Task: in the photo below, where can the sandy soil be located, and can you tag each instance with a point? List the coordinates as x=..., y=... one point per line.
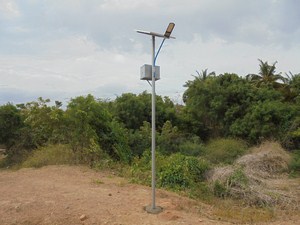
x=63, y=195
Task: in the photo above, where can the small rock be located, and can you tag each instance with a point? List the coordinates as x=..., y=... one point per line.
x=109, y=194
x=83, y=217
x=18, y=208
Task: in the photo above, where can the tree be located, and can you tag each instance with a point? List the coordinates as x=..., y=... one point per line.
x=212, y=105
x=43, y=123
x=264, y=120
x=267, y=76
x=291, y=88
x=140, y=140
x=228, y=105
x=132, y=110
x=10, y=124
x=204, y=74
x=169, y=139
x=90, y=123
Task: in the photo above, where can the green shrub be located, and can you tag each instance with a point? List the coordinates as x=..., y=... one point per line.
x=294, y=165
x=236, y=182
x=140, y=170
x=173, y=174
x=179, y=172
x=3, y=161
x=270, y=119
x=191, y=147
x=201, y=191
x=50, y=155
x=225, y=150
x=10, y=124
x=233, y=186
x=176, y=172
x=238, y=179
x=140, y=173
x=220, y=189
x=14, y=157
x=169, y=138
x=140, y=140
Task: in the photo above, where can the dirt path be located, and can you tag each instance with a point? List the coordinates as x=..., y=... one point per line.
x=60, y=195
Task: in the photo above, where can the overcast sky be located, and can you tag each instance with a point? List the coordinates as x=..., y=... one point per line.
x=60, y=49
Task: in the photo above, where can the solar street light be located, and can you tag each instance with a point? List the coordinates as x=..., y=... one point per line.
x=152, y=76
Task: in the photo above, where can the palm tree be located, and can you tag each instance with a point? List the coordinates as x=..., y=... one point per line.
x=200, y=78
x=204, y=75
x=267, y=76
x=291, y=86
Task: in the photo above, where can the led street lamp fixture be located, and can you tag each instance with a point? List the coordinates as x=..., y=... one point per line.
x=167, y=34
x=169, y=30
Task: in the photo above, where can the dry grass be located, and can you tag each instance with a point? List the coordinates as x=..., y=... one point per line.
x=2, y=156
x=249, y=178
x=269, y=160
x=2, y=152
x=234, y=212
x=220, y=173
x=50, y=155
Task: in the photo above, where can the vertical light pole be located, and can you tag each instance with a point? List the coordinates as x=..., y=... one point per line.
x=146, y=75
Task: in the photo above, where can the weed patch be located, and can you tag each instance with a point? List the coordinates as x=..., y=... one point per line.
x=50, y=155
x=225, y=150
x=235, y=212
x=97, y=181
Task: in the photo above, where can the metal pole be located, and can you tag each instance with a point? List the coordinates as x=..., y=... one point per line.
x=153, y=208
x=153, y=123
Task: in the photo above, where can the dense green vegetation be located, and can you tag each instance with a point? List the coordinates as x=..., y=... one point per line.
x=222, y=116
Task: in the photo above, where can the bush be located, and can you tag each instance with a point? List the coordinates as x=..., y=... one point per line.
x=140, y=140
x=238, y=179
x=140, y=171
x=179, y=172
x=265, y=120
x=225, y=150
x=219, y=189
x=201, y=191
x=10, y=123
x=234, y=185
x=169, y=138
x=192, y=147
x=231, y=183
x=176, y=172
x=50, y=155
x=89, y=119
x=294, y=165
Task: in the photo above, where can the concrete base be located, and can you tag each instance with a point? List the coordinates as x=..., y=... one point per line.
x=150, y=210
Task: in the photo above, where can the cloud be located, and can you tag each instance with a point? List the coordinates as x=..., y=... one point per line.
x=73, y=65
x=8, y=9
x=110, y=23
x=74, y=47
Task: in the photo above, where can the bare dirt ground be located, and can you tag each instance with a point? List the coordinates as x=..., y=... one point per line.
x=63, y=195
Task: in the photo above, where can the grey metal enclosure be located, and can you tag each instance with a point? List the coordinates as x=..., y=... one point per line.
x=146, y=72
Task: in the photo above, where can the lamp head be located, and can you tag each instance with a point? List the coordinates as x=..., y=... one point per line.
x=169, y=30
x=167, y=34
